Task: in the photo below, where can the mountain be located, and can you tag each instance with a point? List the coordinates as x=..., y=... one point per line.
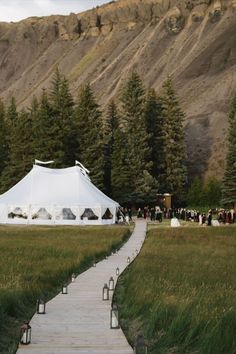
x=192, y=40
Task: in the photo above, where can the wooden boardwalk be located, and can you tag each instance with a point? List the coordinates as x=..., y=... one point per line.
x=79, y=322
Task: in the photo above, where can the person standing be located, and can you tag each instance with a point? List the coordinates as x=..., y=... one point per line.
x=130, y=214
x=152, y=213
x=209, y=218
x=139, y=214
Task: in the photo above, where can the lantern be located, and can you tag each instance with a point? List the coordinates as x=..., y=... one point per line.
x=94, y=264
x=114, y=318
x=105, y=293
x=25, y=333
x=64, y=289
x=117, y=271
x=73, y=277
x=111, y=284
x=128, y=260
x=40, y=307
x=140, y=345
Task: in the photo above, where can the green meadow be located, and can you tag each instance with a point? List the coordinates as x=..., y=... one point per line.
x=35, y=261
x=180, y=292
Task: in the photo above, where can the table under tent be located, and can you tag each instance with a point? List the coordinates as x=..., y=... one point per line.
x=65, y=196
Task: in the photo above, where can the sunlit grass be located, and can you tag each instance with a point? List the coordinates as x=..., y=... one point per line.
x=34, y=261
x=181, y=291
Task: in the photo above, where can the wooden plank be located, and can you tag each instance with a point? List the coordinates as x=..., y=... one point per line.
x=79, y=322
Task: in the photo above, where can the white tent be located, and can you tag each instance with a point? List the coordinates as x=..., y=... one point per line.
x=56, y=196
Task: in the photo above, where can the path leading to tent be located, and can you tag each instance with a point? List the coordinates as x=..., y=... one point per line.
x=79, y=322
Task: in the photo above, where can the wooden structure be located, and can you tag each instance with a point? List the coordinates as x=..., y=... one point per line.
x=79, y=322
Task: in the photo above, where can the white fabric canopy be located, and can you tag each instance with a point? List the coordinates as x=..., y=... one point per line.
x=45, y=190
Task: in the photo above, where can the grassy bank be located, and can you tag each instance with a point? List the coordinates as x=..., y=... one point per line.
x=180, y=292
x=34, y=261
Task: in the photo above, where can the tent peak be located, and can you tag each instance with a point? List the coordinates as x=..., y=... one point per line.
x=38, y=162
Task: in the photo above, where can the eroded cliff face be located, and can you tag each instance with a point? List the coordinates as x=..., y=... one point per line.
x=193, y=40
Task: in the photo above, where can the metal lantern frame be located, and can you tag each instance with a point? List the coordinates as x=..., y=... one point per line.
x=25, y=334
x=114, y=317
x=73, y=277
x=128, y=260
x=105, y=293
x=117, y=271
x=40, y=307
x=64, y=289
x=111, y=284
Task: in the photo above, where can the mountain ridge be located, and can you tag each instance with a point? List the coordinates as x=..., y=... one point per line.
x=193, y=41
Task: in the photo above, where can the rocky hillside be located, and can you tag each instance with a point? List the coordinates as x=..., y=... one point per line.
x=193, y=40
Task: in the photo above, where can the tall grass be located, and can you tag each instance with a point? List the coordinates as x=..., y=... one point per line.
x=181, y=291
x=34, y=261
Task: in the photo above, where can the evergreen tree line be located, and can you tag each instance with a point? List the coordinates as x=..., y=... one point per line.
x=206, y=193
x=229, y=180
x=214, y=192
x=134, y=150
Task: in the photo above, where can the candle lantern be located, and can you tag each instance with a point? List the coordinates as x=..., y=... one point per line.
x=40, y=307
x=128, y=260
x=111, y=284
x=114, y=318
x=25, y=333
x=105, y=293
x=64, y=289
x=140, y=345
x=73, y=277
x=117, y=271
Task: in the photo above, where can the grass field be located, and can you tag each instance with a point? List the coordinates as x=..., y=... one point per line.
x=35, y=261
x=180, y=292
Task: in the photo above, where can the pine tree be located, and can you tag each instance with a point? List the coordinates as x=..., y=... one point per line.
x=23, y=150
x=34, y=117
x=21, y=153
x=173, y=178
x=3, y=138
x=212, y=191
x=12, y=114
x=146, y=189
x=133, y=118
x=11, y=119
x=229, y=180
x=63, y=116
x=195, y=193
x=154, y=123
x=109, y=127
x=48, y=143
x=91, y=145
x=121, y=185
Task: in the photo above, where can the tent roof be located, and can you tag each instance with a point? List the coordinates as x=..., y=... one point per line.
x=62, y=187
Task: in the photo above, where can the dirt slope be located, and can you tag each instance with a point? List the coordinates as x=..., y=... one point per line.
x=193, y=40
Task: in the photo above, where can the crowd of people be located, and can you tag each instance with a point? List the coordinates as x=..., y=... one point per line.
x=155, y=213
x=223, y=216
